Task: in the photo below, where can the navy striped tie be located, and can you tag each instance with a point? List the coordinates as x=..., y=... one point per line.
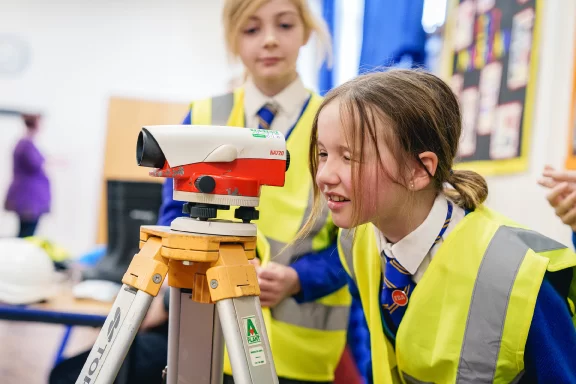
x=398, y=284
x=266, y=115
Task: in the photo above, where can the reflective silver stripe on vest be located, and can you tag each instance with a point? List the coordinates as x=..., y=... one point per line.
x=490, y=298
x=410, y=380
x=312, y=315
x=536, y=241
x=221, y=108
x=346, y=241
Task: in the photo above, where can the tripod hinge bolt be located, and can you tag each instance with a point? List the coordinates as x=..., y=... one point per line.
x=213, y=284
x=157, y=278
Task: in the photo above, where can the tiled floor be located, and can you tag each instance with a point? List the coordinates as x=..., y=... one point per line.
x=28, y=350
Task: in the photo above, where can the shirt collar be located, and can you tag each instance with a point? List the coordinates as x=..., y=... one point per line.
x=288, y=101
x=412, y=249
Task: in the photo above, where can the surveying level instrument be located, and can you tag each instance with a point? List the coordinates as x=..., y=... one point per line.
x=214, y=292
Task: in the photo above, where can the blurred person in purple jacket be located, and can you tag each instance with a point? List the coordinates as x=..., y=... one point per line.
x=29, y=193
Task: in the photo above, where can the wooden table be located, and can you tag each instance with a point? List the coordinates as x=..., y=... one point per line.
x=63, y=309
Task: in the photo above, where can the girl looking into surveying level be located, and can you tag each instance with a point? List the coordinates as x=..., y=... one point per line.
x=451, y=290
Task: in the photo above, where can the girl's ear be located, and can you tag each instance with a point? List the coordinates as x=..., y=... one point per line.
x=421, y=174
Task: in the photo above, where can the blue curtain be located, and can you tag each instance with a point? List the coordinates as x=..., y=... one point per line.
x=326, y=78
x=392, y=35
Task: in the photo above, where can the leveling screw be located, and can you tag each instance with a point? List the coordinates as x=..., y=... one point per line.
x=213, y=284
x=157, y=278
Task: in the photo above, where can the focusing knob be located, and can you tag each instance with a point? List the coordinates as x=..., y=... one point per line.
x=287, y=160
x=205, y=184
x=246, y=214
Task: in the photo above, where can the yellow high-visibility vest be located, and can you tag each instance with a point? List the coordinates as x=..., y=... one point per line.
x=468, y=318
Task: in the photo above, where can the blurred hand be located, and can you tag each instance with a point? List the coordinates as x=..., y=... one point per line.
x=562, y=195
x=156, y=315
x=276, y=282
x=552, y=177
x=255, y=262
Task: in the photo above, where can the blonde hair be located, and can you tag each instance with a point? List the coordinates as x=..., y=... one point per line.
x=237, y=12
x=421, y=114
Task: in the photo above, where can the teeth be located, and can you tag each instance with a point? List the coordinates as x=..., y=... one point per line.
x=337, y=198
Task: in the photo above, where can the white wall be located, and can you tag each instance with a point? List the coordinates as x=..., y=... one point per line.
x=83, y=52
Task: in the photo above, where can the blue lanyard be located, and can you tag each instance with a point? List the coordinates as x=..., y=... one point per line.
x=299, y=117
x=391, y=336
x=446, y=223
x=297, y=121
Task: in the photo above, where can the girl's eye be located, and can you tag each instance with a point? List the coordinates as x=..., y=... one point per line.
x=347, y=158
x=322, y=154
x=251, y=31
x=286, y=26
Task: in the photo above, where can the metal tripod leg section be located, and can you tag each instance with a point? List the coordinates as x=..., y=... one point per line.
x=247, y=341
x=116, y=337
x=142, y=282
x=195, y=341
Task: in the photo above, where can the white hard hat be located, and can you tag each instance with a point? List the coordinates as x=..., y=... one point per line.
x=27, y=274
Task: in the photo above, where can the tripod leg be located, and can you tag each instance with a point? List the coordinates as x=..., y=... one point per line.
x=116, y=336
x=142, y=282
x=247, y=340
x=173, y=335
x=217, y=350
x=195, y=341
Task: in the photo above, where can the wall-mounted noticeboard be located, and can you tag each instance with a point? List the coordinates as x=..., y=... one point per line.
x=490, y=60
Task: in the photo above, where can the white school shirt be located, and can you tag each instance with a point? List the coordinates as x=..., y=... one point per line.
x=289, y=102
x=413, y=251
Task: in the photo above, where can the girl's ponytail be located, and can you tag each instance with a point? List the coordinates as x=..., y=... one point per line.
x=470, y=189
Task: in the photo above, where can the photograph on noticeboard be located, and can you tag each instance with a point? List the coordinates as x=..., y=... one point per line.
x=490, y=79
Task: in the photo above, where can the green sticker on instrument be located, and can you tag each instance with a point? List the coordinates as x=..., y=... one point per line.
x=266, y=134
x=258, y=133
x=251, y=331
